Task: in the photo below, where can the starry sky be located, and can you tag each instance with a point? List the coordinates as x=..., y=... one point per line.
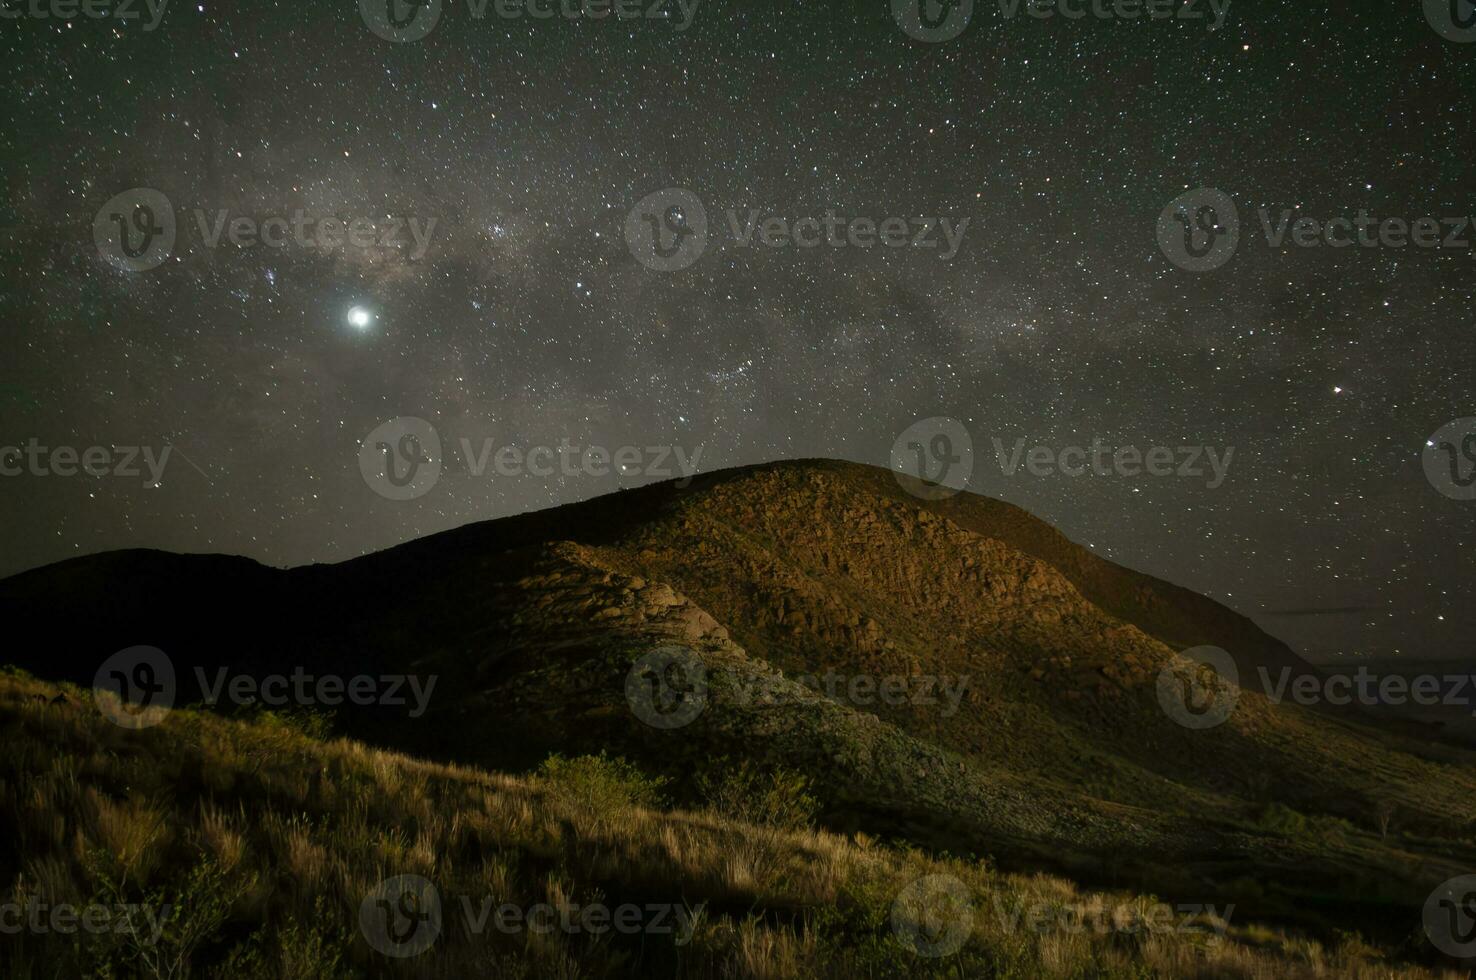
x=527, y=320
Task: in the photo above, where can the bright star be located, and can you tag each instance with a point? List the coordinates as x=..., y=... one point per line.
x=360, y=318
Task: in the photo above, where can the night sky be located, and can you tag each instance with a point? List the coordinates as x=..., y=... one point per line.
x=527, y=319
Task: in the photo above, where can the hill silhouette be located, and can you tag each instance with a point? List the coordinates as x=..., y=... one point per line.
x=954, y=674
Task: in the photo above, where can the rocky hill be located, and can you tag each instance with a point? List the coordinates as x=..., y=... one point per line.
x=952, y=674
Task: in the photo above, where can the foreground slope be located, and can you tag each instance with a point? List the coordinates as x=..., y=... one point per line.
x=1028, y=726
x=252, y=850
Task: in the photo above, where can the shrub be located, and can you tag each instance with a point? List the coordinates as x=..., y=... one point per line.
x=778, y=798
x=1279, y=819
x=184, y=917
x=298, y=951
x=597, y=785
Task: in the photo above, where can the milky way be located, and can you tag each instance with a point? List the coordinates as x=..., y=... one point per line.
x=490, y=288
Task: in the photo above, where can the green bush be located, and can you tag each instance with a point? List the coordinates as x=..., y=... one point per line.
x=1279, y=819
x=315, y=950
x=778, y=798
x=596, y=785
x=186, y=916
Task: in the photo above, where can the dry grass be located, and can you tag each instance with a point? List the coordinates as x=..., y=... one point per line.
x=296, y=832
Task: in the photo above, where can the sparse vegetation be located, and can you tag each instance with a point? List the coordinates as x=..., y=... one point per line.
x=265, y=841
x=1043, y=745
x=777, y=798
x=594, y=787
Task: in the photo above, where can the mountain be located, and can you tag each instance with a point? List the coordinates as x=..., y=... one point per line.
x=951, y=674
